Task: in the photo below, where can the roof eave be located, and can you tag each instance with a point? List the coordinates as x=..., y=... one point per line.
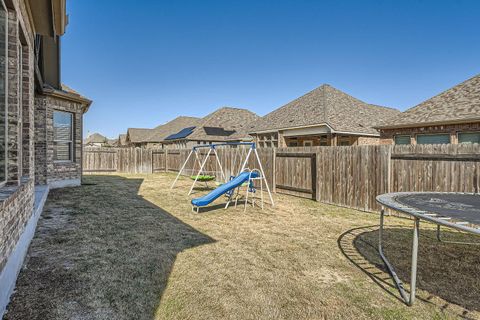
x=427, y=124
x=67, y=96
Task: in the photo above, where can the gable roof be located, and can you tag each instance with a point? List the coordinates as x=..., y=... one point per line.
x=138, y=135
x=161, y=132
x=96, y=138
x=225, y=124
x=330, y=106
x=459, y=104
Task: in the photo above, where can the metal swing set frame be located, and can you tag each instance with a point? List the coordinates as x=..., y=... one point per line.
x=213, y=148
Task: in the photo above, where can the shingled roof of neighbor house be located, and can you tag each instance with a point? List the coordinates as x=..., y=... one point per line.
x=138, y=135
x=96, y=138
x=161, y=132
x=112, y=142
x=327, y=105
x=459, y=104
x=225, y=124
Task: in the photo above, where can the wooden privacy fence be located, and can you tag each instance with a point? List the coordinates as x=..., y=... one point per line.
x=345, y=176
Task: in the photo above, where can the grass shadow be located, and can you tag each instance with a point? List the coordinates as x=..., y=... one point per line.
x=447, y=271
x=101, y=251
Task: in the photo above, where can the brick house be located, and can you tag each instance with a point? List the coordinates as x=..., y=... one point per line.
x=40, y=125
x=323, y=117
x=225, y=124
x=153, y=138
x=452, y=116
x=137, y=137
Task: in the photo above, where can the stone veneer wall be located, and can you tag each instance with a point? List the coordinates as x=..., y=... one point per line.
x=47, y=171
x=387, y=135
x=16, y=208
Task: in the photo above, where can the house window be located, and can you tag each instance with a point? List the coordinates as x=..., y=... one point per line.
x=403, y=139
x=308, y=143
x=62, y=136
x=469, y=137
x=3, y=96
x=323, y=141
x=443, y=138
x=293, y=144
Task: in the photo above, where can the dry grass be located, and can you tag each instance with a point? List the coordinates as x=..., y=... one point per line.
x=129, y=248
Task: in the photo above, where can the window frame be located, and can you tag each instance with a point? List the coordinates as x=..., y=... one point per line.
x=402, y=135
x=433, y=134
x=305, y=142
x=460, y=132
x=71, y=141
x=344, y=141
x=4, y=7
x=293, y=143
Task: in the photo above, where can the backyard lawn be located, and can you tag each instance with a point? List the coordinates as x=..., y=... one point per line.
x=128, y=247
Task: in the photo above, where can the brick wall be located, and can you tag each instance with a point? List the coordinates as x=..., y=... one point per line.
x=16, y=208
x=47, y=170
x=17, y=195
x=361, y=141
x=387, y=135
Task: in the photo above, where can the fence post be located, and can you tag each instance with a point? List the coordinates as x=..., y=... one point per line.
x=166, y=160
x=274, y=166
x=389, y=169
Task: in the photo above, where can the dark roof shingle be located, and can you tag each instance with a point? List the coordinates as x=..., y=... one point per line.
x=327, y=105
x=138, y=135
x=161, y=132
x=458, y=104
x=225, y=124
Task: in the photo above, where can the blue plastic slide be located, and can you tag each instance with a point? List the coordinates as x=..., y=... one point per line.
x=224, y=188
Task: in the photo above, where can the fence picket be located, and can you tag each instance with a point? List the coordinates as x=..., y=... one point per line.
x=345, y=176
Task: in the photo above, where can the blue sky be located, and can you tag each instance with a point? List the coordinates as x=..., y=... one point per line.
x=146, y=62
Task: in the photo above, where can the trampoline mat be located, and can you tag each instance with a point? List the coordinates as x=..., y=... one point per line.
x=464, y=207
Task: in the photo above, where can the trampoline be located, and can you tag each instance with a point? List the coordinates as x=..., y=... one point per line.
x=460, y=211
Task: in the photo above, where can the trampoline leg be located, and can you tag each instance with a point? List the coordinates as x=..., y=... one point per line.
x=439, y=238
x=413, y=277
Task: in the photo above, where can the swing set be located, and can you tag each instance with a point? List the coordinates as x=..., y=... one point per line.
x=245, y=177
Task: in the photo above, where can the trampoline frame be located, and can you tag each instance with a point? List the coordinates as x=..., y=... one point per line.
x=388, y=200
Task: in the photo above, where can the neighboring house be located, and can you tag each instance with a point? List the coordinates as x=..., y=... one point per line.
x=137, y=137
x=453, y=116
x=112, y=143
x=323, y=117
x=40, y=125
x=160, y=133
x=153, y=138
x=96, y=140
x=223, y=125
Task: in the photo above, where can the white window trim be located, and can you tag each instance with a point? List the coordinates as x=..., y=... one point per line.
x=66, y=141
x=307, y=141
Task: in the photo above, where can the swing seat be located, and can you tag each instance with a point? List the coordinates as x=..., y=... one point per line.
x=203, y=178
